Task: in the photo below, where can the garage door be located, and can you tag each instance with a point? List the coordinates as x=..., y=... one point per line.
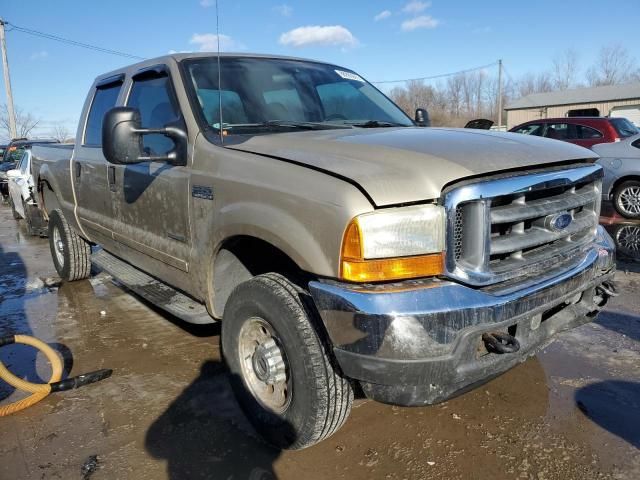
x=631, y=112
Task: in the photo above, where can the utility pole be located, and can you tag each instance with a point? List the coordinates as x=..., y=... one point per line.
x=7, y=84
x=499, y=93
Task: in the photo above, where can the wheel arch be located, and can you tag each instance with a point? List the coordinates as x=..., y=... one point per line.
x=241, y=257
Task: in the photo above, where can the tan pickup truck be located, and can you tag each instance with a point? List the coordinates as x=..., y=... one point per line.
x=343, y=246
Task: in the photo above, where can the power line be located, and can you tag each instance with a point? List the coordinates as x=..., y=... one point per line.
x=438, y=76
x=57, y=38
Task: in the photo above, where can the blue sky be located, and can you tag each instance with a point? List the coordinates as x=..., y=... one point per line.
x=380, y=39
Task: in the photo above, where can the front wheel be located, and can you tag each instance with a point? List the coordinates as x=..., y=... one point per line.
x=71, y=253
x=626, y=199
x=281, y=370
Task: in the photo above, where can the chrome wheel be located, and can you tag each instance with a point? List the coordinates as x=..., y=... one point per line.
x=628, y=240
x=264, y=365
x=629, y=200
x=58, y=247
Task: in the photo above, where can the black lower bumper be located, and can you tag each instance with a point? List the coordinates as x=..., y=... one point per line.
x=420, y=343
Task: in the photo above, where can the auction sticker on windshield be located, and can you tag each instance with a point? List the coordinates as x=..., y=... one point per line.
x=349, y=76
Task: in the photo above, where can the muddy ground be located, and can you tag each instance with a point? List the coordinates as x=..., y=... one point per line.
x=168, y=412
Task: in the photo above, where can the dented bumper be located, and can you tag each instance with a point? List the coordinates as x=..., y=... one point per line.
x=420, y=342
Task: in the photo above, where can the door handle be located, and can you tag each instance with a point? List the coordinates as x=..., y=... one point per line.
x=78, y=169
x=112, y=178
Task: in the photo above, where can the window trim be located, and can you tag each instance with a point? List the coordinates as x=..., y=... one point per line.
x=100, y=85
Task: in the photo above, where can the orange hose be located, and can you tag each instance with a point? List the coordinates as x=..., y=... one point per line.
x=38, y=390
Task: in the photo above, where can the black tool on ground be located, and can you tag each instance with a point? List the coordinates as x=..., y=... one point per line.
x=500, y=342
x=80, y=380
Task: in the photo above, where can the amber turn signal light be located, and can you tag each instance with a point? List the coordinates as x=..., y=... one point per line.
x=355, y=268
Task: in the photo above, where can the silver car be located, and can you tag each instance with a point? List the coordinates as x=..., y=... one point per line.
x=621, y=184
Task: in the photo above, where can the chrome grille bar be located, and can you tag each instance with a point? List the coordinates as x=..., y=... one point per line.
x=498, y=229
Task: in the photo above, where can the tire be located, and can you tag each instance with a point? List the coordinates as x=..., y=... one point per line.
x=15, y=214
x=626, y=199
x=318, y=398
x=71, y=254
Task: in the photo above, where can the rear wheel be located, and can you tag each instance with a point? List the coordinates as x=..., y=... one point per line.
x=626, y=199
x=71, y=253
x=281, y=370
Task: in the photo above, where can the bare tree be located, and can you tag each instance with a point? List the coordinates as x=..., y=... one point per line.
x=25, y=122
x=534, y=83
x=60, y=132
x=613, y=66
x=565, y=69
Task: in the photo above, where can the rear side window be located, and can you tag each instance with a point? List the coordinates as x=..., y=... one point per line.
x=104, y=99
x=587, y=133
x=532, y=129
x=153, y=97
x=624, y=127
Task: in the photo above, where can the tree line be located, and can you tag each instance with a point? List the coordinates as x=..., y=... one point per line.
x=466, y=96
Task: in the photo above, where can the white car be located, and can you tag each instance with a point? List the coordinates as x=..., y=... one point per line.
x=21, y=196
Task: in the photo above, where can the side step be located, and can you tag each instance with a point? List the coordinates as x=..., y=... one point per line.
x=159, y=294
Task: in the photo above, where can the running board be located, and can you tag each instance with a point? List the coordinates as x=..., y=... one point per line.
x=154, y=291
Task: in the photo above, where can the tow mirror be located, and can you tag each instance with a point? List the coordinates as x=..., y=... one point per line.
x=122, y=139
x=13, y=173
x=422, y=117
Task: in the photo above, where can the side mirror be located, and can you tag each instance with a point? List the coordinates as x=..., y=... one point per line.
x=122, y=138
x=422, y=117
x=13, y=173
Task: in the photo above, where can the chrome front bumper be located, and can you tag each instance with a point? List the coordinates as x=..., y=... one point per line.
x=419, y=342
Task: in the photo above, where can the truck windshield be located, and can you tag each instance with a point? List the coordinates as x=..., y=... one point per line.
x=266, y=94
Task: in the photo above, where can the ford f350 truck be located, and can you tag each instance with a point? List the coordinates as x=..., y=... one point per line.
x=342, y=245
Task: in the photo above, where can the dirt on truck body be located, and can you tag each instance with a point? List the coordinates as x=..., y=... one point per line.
x=342, y=246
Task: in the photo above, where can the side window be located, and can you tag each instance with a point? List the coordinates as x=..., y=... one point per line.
x=531, y=129
x=561, y=131
x=585, y=132
x=103, y=100
x=154, y=98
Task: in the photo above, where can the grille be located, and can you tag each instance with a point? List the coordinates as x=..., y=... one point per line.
x=505, y=228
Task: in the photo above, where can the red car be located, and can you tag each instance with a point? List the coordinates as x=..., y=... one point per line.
x=583, y=131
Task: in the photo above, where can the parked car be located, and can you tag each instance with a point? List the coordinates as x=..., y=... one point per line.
x=583, y=131
x=338, y=243
x=22, y=198
x=621, y=183
x=10, y=158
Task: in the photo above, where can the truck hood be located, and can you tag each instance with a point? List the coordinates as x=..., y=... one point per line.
x=407, y=164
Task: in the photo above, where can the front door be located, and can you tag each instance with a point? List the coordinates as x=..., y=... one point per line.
x=151, y=199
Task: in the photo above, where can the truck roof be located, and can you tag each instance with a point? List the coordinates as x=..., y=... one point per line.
x=178, y=57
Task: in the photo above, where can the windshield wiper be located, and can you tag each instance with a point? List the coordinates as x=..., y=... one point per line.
x=286, y=124
x=376, y=124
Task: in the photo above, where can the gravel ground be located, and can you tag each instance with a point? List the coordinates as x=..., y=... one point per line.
x=573, y=412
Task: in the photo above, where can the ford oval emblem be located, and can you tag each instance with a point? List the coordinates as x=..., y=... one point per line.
x=559, y=221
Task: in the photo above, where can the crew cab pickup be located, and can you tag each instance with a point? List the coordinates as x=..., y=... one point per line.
x=342, y=246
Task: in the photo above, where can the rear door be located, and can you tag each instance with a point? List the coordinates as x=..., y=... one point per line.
x=89, y=168
x=151, y=199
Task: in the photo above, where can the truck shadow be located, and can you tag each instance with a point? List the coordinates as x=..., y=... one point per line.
x=204, y=434
x=615, y=406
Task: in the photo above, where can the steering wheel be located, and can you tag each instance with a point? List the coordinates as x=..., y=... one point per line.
x=335, y=116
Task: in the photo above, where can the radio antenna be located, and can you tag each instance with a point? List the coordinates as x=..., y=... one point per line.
x=219, y=77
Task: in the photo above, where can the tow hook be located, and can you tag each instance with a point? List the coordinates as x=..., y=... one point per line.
x=608, y=288
x=500, y=342
x=604, y=291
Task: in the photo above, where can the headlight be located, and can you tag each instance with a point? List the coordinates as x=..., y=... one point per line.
x=394, y=244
